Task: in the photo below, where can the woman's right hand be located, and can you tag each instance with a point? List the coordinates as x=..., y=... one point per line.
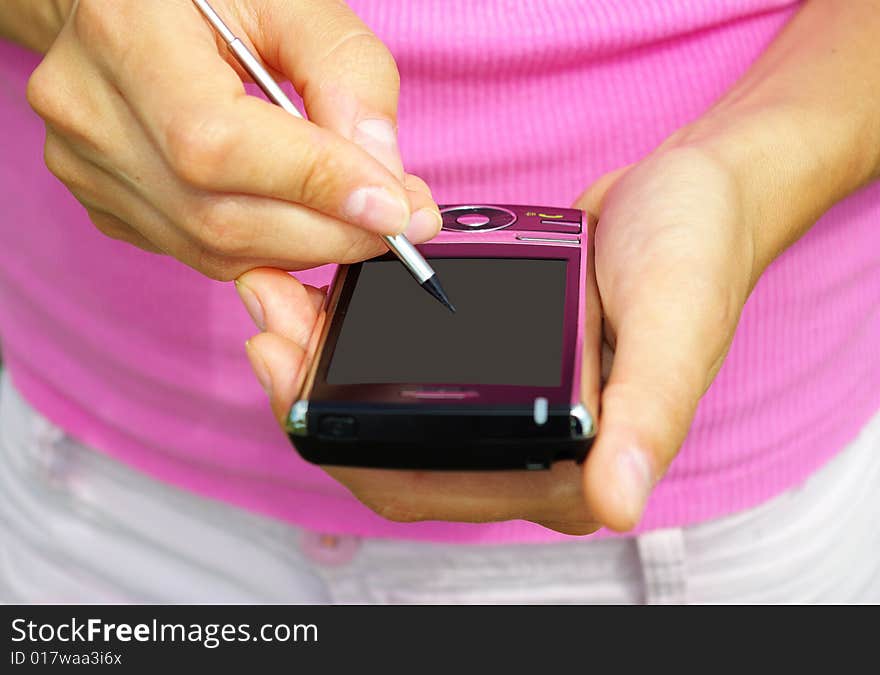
x=149, y=126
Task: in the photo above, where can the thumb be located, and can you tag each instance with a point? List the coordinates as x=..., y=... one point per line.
x=346, y=76
x=671, y=339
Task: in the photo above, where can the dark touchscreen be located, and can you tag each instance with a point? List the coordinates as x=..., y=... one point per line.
x=508, y=328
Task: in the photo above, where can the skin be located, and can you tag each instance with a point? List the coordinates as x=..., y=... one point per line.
x=683, y=236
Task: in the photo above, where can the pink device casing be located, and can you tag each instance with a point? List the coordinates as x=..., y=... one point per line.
x=449, y=427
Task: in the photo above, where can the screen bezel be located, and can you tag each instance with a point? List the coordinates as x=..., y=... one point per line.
x=472, y=394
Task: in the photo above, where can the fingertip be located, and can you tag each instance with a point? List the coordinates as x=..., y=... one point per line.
x=258, y=365
x=424, y=225
x=426, y=221
x=618, y=480
x=277, y=363
x=283, y=304
x=251, y=302
x=378, y=209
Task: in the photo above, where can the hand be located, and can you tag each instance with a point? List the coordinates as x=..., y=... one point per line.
x=673, y=259
x=675, y=262
x=149, y=126
x=684, y=235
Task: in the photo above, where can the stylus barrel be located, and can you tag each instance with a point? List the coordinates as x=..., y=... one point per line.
x=410, y=257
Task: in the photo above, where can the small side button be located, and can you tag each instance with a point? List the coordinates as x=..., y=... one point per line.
x=549, y=239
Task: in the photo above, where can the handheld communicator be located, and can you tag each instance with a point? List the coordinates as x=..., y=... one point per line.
x=395, y=380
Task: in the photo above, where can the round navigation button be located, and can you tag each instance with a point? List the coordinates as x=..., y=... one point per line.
x=474, y=218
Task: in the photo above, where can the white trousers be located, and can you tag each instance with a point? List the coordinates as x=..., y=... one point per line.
x=79, y=527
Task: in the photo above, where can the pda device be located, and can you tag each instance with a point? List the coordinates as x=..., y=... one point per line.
x=395, y=380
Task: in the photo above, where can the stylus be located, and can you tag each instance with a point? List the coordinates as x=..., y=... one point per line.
x=399, y=244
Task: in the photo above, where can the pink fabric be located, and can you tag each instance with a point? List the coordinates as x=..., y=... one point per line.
x=501, y=101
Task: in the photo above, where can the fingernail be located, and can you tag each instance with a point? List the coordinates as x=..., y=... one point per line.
x=259, y=368
x=252, y=304
x=376, y=209
x=424, y=225
x=634, y=480
x=379, y=138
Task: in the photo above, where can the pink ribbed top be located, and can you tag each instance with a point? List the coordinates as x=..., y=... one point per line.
x=524, y=102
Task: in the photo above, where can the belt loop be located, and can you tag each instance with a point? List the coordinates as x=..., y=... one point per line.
x=662, y=556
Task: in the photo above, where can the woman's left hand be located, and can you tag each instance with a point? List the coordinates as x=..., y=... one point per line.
x=675, y=262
